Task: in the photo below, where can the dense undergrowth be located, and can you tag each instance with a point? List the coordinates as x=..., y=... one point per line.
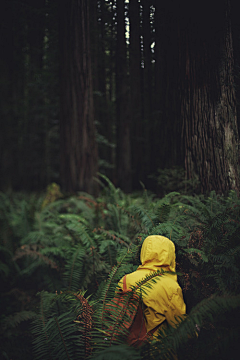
x=61, y=258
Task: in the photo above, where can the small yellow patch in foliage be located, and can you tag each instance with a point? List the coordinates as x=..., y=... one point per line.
x=53, y=193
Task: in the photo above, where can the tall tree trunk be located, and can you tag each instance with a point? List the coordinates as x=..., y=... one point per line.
x=35, y=122
x=112, y=55
x=166, y=127
x=101, y=98
x=79, y=159
x=236, y=50
x=147, y=84
x=12, y=41
x=122, y=105
x=112, y=88
x=135, y=92
x=155, y=125
x=208, y=100
x=7, y=61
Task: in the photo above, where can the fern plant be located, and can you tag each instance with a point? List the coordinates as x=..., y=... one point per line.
x=63, y=328
x=93, y=329
x=212, y=251
x=75, y=243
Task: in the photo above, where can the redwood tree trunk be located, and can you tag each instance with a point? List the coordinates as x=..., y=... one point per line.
x=148, y=83
x=166, y=126
x=122, y=105
x=35, y=123
x=99, y=46
x=79, y=157
x=135, y=92
x=208, y=102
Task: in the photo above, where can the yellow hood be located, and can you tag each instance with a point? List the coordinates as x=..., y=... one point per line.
x=158, y=252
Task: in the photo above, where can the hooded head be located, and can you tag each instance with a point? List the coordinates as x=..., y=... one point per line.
x=158, y=252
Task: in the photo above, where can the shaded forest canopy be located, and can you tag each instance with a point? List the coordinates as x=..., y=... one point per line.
x=125, y=88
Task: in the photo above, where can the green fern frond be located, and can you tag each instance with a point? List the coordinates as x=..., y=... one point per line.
x=114, y=236
x=118, y=352
x=33, y=251
x=13, y=320
x=74, y=218
x=62, y=330
x=74, y=267
x=207, y=310
x=142, y=217
x=113, y=194
x=82, y=233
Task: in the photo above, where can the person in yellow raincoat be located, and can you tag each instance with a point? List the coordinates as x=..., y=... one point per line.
x=164, y=301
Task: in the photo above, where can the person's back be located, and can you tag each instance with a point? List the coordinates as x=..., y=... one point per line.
x=164, y=301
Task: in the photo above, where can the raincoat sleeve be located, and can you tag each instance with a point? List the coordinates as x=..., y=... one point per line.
x=176, y=309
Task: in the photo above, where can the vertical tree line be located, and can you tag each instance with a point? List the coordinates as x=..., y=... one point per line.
x=121, y=87
x=29, y=136
x=208, y=106
x=77, y=130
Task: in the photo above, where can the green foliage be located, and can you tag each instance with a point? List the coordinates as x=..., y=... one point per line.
x=118, y=352
x=175, y=178
x=53, y=193
x=56, y=335
x=16, y=217
x=80, y=247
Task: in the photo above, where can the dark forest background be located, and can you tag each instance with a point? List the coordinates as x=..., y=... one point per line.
x=134, y=90
x=118, y=120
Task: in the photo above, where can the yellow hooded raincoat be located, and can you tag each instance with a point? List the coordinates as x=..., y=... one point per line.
x=164, y=301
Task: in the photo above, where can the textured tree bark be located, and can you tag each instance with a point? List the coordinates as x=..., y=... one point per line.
x=79, y=156
x=122, y=105
x=12, y=100
x=100, y=49
x=7, y=78
x=147, y=87
x=166, y=124
x=35, y=123
x=209, y=106
x=135, y=92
